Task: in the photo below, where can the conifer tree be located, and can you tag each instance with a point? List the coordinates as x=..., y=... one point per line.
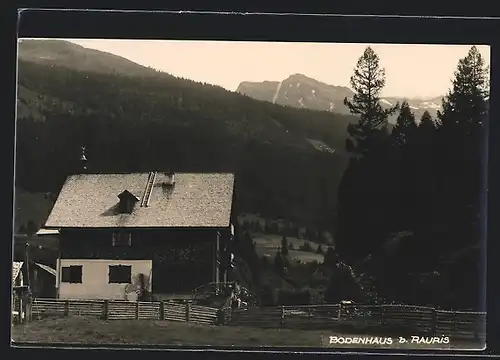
x=31, y=227
x=461, y=158
x=367, y=83
x=330, y=258
x=362, y=193
x=425, y=132
x=426, y=121
x=405, y=128
x=284, y=245
x=465, y=105
x=22, y=229
x=279, y=264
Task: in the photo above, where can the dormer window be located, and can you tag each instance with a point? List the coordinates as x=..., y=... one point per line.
x=127, y=202
x=121, y=238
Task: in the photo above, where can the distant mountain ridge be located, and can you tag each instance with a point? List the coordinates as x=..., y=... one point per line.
x=70, y=55
x=301, y=91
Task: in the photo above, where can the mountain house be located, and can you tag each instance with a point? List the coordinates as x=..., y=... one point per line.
x=147, y=235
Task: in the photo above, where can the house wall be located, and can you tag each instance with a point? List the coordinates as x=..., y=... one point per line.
x=182, y=258
x=95, y=278
x=97, y=244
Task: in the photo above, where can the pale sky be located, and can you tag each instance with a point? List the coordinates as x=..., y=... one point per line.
x=411, y=70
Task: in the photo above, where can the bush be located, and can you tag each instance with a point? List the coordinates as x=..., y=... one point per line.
x=22, y=229
x=306, y=246
x=320, y=250
x=304, y=296
x=31, y=228
x=267, y=295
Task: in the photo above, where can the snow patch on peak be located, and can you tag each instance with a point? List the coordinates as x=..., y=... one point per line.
x=275, y=97
x=384, y=101
x=313, y=92
x=431, y=105
x=413, y=107
x=332, y=106
x=298, y=85
x=301, y=102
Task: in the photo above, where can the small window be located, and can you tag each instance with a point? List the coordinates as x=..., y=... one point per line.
x=122, y=239
x=72, y=274
x=120, y=274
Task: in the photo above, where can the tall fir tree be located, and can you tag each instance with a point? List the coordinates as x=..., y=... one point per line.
x=462, y=139
x=367, y=82
x=465, y=106
x=403, y=156
x=405, y=128
x=425, y=169
x=426, y=124
x=284, y=245
x=361, y=207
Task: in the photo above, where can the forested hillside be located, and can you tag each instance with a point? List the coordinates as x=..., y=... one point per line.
x=143, y=122
x=68, y=54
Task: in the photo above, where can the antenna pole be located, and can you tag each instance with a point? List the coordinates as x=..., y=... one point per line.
x=83, y=158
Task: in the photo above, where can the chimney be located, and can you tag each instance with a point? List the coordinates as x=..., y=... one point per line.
x=83, y=159
x=170, y=178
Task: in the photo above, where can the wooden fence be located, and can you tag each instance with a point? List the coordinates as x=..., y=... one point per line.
x=125, y=310
x=393, y=320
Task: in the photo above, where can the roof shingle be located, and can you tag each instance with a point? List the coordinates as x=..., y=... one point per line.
x=196, y=200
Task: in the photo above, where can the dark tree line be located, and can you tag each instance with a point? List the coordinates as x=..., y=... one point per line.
x=410, y=200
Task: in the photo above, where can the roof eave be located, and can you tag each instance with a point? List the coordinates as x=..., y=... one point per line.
x=214, y=227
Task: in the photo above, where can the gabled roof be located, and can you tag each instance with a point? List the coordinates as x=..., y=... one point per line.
x=128, y=194
x=50, y=270
x=196, y=200
x=45, y=232
x=16, y=269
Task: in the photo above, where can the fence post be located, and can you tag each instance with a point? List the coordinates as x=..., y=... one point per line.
x=28, y=314
x=106, y=310
x=282, y=321
x=162, y=310
x=382, y=315
x=19, y=308
x=340, y=312
x=434, y=322
x=137, y=310
x=66, y=308
x=188, y=306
